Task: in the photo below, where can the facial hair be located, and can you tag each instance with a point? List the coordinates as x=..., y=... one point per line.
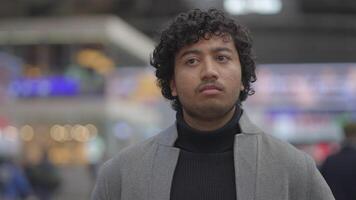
x=207, y=113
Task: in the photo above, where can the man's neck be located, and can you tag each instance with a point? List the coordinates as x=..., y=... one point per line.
x=206, y=124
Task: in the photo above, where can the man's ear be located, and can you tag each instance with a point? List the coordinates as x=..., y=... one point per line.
x=242, y=87
x=172, y=85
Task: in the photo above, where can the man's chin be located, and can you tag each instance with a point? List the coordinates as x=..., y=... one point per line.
x=212, y=110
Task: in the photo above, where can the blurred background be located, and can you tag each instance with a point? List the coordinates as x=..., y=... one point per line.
x=76, y=86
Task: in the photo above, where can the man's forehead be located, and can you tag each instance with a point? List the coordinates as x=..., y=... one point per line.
x=221, y=37
x=223, y=40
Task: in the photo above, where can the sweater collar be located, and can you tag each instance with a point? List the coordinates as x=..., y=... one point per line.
x=217, y=141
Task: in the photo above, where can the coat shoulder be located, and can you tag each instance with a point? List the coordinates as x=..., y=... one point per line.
x=134, y=153
x=114, y=172
x=281, y=150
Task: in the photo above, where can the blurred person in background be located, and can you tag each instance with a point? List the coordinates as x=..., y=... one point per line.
x=44, y=177
x=339, y=170
x=13, y=181
x=204, y=65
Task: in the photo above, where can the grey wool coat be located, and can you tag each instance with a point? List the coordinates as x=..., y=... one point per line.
x=265, y=169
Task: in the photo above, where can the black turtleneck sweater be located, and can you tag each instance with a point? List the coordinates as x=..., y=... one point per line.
x=205, y=168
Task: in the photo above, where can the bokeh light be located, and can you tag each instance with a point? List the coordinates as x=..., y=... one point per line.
x=93, y=131
x=10, y=133
x=27, y=133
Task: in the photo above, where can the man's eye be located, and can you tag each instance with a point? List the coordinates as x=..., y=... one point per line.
x=191, y=61
x=222, y=58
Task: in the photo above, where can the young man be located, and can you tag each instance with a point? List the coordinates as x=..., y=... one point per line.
x=204, y=65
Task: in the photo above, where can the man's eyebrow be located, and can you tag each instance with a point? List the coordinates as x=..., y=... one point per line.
x=191, y=51
x=197, y=51
x=218, y=49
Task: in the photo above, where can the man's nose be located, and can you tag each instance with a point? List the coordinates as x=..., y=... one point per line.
x=209, y=70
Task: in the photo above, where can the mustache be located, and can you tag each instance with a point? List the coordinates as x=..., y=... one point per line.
x=206, y=84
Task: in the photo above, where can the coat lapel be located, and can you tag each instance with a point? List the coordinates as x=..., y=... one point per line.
x=246, y=159
x=164, y=164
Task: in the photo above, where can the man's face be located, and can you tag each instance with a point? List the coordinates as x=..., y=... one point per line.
x=207, y=77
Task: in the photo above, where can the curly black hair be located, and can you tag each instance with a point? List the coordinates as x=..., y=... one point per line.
x=188, y=28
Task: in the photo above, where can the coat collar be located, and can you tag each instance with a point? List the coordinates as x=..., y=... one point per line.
x=168, y=136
